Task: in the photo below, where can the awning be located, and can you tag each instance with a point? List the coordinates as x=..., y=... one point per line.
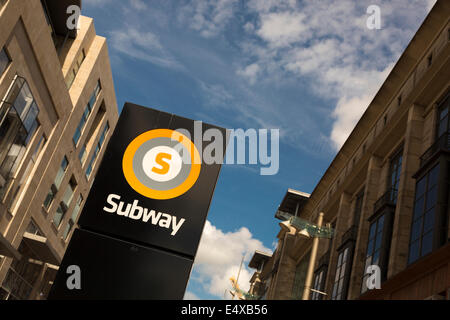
x=42, y=248
x=292, y=203
x=258, y=258
x=7, y=250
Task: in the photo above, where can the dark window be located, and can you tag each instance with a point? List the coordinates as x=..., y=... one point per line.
x=424, y=216
x=443, y=118
x=358, y=207
x=56, y=184
x=34, y=229
x=300, y=278
x=4, y=61
x=395, y=169
x=73, y=218
x=18, y=124
x=97, y=150
x=82, y=154
x=22, y=274
x=342, y=276
x=86, y=113
x=374, y=247
x=319, y=284
x=65, y=203
x=73, y=73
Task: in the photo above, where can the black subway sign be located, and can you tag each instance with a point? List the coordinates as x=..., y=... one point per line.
x=152, y=186
x=146, y=210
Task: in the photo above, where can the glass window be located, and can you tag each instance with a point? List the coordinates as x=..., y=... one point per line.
x=73, y=218
x=65, y=202
x=374, y=247
x=56, y=184
x=18, y=123
x=90, y=167
x=443, y=118
x=4, y=61
x=342, y=275
x=97, y=150
x=79, y=129
x=61, y=172
x=72, y=74
x=319, y=282
x=34, y=229
x=30, y=165
x=22, y=274
x=300, y=278
x=424, y=215
x=86, y=113
x=394, y=175
x=82, y=154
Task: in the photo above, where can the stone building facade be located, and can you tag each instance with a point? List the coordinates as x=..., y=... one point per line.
x=386, y=193
x=57, y=112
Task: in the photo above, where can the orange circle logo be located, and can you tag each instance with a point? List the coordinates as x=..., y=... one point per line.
x=161, y=164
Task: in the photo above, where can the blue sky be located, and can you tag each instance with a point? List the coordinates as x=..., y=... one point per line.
x=308, y=68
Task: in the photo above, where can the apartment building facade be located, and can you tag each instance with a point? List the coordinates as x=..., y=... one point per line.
x=386, y=193
x=57, y=111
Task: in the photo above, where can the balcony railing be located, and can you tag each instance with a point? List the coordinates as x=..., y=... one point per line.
x=389, y=198
x=441, y=144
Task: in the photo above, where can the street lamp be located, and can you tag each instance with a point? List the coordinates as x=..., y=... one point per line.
x=312, y=261
x=304, y=233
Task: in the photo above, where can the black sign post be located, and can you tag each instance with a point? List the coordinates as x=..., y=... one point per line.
x=144, y=216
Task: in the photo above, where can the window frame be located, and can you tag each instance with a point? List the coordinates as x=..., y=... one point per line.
x=63, y=206
x=298, y=285
x=53, y=188
x=73, y=217
x=438, y=221
x=385, y=243
x=350, y=246
x=98, y=147
x=443, y=104
x=85, y=116
x=319, y=284
x=395, y=159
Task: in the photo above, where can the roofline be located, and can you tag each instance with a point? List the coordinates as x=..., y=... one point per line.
x=371, y=114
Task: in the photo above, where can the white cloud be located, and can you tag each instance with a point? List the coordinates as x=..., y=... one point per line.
x=190, y=296
x=349, y=110
x=219, y=257
x=250, y=72
x=281, y=28
x=347, y=113
x=215, y=94
x=209, y=17
x=328, y=44
x=322, y=46
x=142, y=45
